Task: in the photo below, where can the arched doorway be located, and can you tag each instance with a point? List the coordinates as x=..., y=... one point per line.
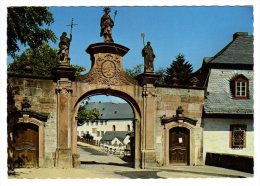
x=134, y=153
x=179, y=146
x=26, y=145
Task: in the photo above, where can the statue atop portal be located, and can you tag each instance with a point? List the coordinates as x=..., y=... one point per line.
x=149, y=56
x=106, y=24
x=64, y=46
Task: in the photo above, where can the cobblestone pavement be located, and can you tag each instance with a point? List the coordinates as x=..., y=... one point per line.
x=97, y=164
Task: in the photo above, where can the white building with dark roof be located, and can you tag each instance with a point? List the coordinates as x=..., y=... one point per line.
x=112, y=117
x=228, y=137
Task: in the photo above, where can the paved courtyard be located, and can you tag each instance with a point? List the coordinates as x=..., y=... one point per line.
x=97, y=164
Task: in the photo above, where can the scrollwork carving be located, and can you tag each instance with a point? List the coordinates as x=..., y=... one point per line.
x=108, y=70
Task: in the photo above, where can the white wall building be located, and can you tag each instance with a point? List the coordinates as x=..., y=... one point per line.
x=112, y=117
x=228, y=137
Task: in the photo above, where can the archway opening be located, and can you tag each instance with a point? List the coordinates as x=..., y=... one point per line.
x=106, y=131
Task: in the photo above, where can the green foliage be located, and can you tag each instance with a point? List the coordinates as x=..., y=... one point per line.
x=134, y=72
x=41, y=60
x=162, y=73
x=179, y=71
x=86, y=114
x=25, y=24
x=79, y=69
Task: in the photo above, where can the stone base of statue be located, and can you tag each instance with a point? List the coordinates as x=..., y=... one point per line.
x=147, y=78
x=64, y=70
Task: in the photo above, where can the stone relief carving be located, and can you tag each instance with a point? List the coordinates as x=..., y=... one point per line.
x=107, y=70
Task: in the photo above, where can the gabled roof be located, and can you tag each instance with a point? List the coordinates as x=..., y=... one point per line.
x=110, y=135
x=109, y=110
x=220, y=70
x=239, y=51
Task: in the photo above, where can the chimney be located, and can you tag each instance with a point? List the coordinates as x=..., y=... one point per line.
x=237, y=34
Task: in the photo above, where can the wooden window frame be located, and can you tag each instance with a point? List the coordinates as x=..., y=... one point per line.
x=236, y=82
x=240, y=82
x=232, y=130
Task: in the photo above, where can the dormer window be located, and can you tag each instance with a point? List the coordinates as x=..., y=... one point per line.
x=239, y=87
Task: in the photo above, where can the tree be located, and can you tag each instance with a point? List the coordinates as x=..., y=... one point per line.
x=41, y=60
x=86, y=114
x=135, y=71
x=162, y=73
x=80, y=69
x=179, y=71
x=25, y=25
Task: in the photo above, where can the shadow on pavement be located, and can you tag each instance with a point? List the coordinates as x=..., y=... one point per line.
x=139, y=174
x=203, y=173
x=110, y=163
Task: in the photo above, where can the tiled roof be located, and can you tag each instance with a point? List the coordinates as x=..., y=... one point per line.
x=110, y=135
x=220, y=99
x=238, y=51
x=109, y=110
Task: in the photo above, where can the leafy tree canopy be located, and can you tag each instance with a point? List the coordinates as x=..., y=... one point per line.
x=135, y=71
x=40, y=60
x=79, y=69
x=25, y=24
x=86, y=114
x=179, y=71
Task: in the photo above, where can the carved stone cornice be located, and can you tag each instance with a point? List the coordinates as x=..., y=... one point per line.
x=179, y=120
x=64, y=86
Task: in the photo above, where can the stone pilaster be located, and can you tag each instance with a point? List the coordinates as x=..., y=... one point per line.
x=147, y=80
x=63, y=155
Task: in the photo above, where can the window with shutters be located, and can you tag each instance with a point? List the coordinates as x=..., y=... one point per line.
x=238, y=136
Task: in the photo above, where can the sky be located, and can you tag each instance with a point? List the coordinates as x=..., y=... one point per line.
x=196, y=32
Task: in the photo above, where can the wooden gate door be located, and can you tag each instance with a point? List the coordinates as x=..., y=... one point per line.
x=179, y=146
x=26, y=145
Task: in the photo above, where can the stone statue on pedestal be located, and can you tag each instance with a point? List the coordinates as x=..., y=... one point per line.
x=149, y=56
x=64, y=47
x=106, y=24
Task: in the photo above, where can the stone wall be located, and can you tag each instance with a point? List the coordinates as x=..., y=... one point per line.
x=42, y=98
x=191, y=100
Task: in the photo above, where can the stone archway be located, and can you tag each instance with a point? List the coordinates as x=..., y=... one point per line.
x=105, y=77
x=137, y=119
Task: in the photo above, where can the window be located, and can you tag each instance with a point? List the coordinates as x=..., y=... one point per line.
x=98, y=133
x=101, y=122
x=102, y=133
x=114, y=128
x=238, y=136
x=239, y=87
x=96, y=122
x=128, y=127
